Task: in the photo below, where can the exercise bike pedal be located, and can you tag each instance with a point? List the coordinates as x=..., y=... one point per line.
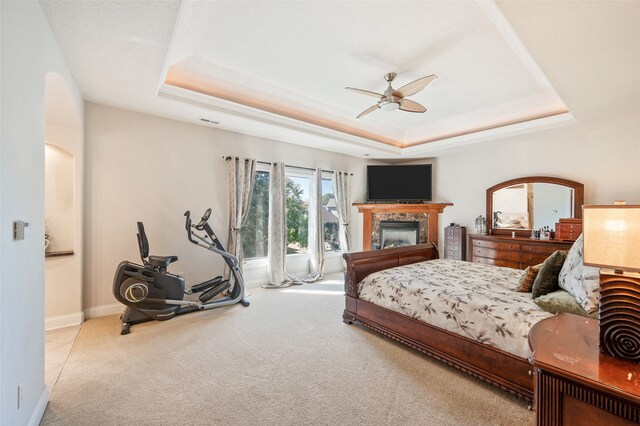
x=206, y=285
x=211, y=293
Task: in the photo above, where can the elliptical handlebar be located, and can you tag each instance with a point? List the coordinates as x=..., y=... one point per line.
x=188, y=226
x=204, y=220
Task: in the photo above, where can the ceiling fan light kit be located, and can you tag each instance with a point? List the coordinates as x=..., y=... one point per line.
x=386, y=105
x=392, y=99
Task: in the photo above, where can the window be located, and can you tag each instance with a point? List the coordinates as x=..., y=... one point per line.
x=255, y=232
x=297, y=203
x=330, y=221
x=298, y=187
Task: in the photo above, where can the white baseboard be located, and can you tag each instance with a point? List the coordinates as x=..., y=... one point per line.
x=104, y=310
x=38, y=411
x=60, y=321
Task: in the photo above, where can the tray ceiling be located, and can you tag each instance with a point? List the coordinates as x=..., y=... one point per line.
x=279, y=69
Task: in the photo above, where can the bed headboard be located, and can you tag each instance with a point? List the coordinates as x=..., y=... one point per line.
x=363, y=263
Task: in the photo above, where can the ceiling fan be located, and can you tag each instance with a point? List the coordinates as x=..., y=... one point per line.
x=393, y=99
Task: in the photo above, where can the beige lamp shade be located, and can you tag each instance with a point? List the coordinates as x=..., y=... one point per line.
x=612, y=236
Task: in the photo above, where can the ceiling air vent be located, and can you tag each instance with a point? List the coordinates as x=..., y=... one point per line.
x=208, y=121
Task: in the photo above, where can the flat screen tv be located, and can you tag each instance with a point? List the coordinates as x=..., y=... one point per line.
x=399, y=183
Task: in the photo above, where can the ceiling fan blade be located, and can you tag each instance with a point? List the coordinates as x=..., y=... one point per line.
x=415, y=86
x=368, y=110
x=365, y=92
x=411, y=106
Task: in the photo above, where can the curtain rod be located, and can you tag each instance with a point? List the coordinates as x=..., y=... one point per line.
x=287, y=165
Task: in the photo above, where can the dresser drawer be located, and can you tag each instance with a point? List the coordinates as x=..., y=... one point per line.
x=496, y=254
x=547, y=249
x=529, y=259
x=452, y=249
x=569, y=236
x=452, y=239
x=496, y=262
x=496, y=245
x=572, y=226
x=452, y=246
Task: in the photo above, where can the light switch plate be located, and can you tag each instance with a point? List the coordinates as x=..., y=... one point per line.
x=18, y=229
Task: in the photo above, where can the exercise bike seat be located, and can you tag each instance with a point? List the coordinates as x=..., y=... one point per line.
x=143, y=245
x=162, y=261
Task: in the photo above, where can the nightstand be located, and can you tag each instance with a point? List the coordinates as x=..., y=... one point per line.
x=576, y=384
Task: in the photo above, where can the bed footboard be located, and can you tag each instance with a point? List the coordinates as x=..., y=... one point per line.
x=363, y=263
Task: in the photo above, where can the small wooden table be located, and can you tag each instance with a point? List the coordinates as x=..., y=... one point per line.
x=576, y=384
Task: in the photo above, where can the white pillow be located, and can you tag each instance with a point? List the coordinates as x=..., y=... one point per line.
x=583, y=282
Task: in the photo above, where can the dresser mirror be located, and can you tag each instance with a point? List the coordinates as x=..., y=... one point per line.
x=520, y=205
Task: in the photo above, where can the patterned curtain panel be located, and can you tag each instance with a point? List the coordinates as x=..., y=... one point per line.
x=342, y=190
x=277, y=251
x=316, y=229
x=242, y=175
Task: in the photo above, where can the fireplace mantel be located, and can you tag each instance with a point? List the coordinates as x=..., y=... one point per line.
x=368, y=210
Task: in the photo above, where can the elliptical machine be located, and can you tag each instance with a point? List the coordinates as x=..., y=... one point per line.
x=149, y=292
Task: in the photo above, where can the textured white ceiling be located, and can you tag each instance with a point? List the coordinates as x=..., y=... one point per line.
x=299, y=56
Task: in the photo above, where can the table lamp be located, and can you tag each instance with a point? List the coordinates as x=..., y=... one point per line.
x=612, y=242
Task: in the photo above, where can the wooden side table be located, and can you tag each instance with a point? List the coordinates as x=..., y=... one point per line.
x=576, y=384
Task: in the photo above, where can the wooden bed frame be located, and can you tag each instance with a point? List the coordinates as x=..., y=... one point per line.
x=500, y=368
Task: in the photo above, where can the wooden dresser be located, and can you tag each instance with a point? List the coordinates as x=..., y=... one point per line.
x=576, y=384
x=455, y=242
x=516, y=253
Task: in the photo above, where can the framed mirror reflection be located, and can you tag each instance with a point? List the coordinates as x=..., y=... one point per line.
x=534, y=202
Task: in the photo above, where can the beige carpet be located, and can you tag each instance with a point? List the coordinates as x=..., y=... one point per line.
x=287, y=359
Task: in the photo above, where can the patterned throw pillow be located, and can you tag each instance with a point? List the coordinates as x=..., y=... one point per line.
x=583, y=282
x=547, y=279
x=562, y=301
x=526, y=281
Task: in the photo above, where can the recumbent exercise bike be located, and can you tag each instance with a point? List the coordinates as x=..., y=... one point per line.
x=150, y=293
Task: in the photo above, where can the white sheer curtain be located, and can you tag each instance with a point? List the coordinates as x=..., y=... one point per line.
x=342, y=190
x=277, y=251
x=242, y=174
x=316, y=230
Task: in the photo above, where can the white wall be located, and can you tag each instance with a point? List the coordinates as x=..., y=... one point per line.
x=28, y=52
x=63, y=275
x=150, y=169
x=602, y=154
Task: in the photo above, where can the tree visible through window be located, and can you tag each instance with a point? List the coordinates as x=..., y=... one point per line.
x=330, y=221
x=297, y=214
x=255, y=232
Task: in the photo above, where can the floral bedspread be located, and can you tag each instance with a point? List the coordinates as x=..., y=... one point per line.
x=471, y=299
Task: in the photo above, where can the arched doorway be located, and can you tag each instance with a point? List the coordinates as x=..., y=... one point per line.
x=63, y=151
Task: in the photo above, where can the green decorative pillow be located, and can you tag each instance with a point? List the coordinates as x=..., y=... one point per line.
x=562, y=301
x=547, y=279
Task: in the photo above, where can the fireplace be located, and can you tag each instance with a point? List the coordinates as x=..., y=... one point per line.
x=396, y=233
x=426, y=214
